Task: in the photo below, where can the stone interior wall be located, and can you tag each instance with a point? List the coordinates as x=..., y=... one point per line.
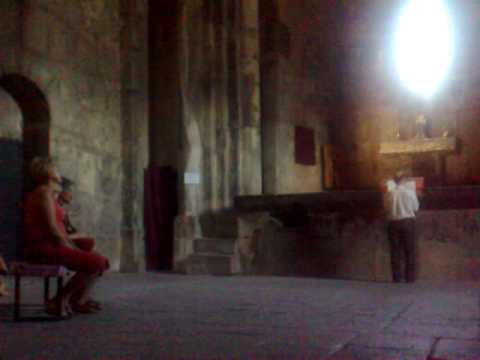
x=72, y=52
x=343, y=246
x=373, y=103
x=358, y=248
x=297, y=88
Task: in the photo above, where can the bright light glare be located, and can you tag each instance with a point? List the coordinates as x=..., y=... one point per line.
x=423, y=46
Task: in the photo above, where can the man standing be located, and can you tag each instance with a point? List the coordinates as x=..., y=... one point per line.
x=401, y=204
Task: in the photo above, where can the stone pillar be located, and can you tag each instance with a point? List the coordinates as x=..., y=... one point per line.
x=270, y=86
x=134, y=116
x=165, y=107
x=248, y=54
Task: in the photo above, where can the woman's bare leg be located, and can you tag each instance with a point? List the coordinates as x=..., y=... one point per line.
x=75, y=284
x=83, y=295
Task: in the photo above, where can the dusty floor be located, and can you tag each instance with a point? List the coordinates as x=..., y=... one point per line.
x=162, y=316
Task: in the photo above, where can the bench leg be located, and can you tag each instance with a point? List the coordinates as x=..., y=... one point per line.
x=46, y=290
x=59, y=295
x=16, y=305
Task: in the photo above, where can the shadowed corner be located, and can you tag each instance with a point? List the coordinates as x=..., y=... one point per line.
x=33, y=313
x=10, y=197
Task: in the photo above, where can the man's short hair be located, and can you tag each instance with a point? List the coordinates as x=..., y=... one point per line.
x=400, y=175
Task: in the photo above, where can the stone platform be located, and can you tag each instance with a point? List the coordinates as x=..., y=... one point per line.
x=343, y=234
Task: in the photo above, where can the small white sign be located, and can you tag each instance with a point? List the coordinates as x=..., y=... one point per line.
x=191, y=178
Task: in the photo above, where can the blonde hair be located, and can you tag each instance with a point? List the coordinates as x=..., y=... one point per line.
x=40, y=168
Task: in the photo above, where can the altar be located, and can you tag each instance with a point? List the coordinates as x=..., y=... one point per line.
x=338, y=234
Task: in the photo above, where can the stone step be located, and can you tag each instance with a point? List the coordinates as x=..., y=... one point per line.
x=219, y=225
x=220, y=246
x=208, y=264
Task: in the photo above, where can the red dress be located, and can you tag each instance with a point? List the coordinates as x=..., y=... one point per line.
x=41, y=248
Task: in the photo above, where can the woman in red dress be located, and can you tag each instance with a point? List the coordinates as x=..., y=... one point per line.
x=48, y=242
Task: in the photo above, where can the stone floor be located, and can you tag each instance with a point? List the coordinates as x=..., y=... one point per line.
x=162, y=316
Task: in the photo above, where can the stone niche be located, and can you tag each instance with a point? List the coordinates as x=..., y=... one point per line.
x=423, y=155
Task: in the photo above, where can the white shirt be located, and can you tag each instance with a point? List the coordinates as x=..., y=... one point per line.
x=401, y=200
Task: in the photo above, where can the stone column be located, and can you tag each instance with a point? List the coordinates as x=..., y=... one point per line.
x=165, y=107
x=134, y=114
x=270, y=87
x=248, y=54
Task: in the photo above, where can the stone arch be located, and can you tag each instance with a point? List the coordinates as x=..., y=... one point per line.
x=35, y=112
x=26, y=107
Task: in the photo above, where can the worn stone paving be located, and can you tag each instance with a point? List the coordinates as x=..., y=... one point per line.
x=166, y=316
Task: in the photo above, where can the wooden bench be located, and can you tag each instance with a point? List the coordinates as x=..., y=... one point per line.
x=20, y=269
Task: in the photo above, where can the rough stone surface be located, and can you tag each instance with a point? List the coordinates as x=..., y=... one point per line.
x=349, y=246
x=294, y=92
x=156, y=316
x=71, y=51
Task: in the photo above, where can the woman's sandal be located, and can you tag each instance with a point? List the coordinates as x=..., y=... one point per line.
x=84, y=308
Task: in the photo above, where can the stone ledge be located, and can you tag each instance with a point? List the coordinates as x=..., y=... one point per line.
x=360, y=201
x=416, y=146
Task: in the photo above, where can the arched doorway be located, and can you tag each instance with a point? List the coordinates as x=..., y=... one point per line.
x=24, y=134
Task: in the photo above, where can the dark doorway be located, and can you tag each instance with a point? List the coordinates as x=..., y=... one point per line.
x=160, y=212
x=25, y=121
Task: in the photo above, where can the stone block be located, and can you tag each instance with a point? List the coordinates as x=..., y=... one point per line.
x=9, y=26
x=365, y=353
x=86, y=59
x=39, y=70
x=435, y=328
x=185, y=232
x=87, y=162
x=108, y=223
x=62, y=42
x=218, y=225
x=420, y=344
x=250, y=168
x=457, y=349
x=36, y=32
x=141, y=7
x=214, y=246
x=9, y=55
x=108, y=177
x=65, y=159
x=198, y=264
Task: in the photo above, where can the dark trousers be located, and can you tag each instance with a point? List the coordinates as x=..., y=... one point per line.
x=401, y=234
